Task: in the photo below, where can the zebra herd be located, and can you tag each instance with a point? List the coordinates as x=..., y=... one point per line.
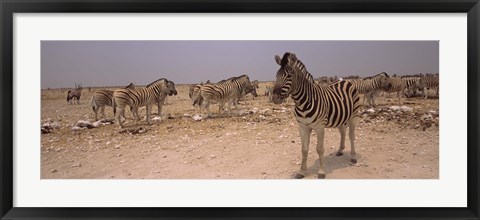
x=329, y=103
x=229, y=91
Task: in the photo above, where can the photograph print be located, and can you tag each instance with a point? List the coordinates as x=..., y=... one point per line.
x=246, y=109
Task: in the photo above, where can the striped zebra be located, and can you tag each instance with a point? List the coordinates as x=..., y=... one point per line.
x=194, y=94
x=250, y=90
x=223, y=92
x=398, y=85
x=163, y=96
x=102, y=98
x=254, y=89
x=426, y=82
x=317, y=107
x=371, y=84
x=74, y=94
x=136, y=98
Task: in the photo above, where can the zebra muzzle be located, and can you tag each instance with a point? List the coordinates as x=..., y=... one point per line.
x=277, y=99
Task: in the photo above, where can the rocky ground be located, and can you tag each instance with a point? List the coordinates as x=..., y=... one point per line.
x=258, y=141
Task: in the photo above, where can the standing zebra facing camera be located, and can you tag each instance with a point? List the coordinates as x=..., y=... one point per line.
x=74, y=94
x=102, y=98
x=317, y=107
x=224, y=92
x=136, y=98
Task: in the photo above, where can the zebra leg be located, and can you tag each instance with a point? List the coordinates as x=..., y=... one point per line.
x=229, y=105
x=95, y=109
x=117, y=117
x=351, y=135
x=160, y=105
x=135, y=114
x=103, y=113
x=320, y=150
x=305, y=136
x=148, y=115
x=221, y=104
x=342, y=131
x=207, y=107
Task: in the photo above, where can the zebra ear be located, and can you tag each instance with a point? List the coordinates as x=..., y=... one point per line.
x=278, y=59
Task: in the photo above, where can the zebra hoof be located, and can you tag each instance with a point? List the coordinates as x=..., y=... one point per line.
x=321, y=176
x=339, y=154
x=354, y=161
x=298, y=176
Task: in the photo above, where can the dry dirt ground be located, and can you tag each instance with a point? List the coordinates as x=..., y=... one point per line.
x=259, y=141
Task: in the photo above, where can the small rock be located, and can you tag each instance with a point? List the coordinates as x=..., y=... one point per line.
x=197, y=117
x=77, y=165
x=212, y=156
x=53, y=171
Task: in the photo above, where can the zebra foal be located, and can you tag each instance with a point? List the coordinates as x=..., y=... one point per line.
x=136, y=98
x=316, y=107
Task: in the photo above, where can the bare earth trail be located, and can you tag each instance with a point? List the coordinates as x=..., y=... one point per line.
x=259, y=141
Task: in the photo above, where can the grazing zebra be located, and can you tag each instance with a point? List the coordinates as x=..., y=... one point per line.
x=399, y=85
x=317, y=107
x=74, y=94
x=254, y=89
x=425, y=82
x=251, y=90
x=102, y=98
x=370, y=85
x=136, y=98
x=223, y=92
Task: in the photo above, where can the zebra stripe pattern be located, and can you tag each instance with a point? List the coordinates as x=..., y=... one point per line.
x=399, y=85
x=136, y=98
x=194, y=94
x=225, y=91
x=429, y=82
x=251, y=90
x=161, y=100
x=316, y=107
x=102, y=98
x=371, y=84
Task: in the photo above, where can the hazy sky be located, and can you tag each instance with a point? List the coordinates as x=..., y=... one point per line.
x=116, y=63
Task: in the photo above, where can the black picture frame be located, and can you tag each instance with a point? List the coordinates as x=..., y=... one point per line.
x=9, y=7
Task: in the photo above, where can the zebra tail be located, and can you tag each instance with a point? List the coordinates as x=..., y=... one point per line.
x=114, y=105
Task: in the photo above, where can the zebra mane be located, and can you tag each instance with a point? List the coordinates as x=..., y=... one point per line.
x=299, y=64
x=156, y=81
x=382, y=73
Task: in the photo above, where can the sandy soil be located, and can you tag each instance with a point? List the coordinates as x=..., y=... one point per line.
x=258, y=141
